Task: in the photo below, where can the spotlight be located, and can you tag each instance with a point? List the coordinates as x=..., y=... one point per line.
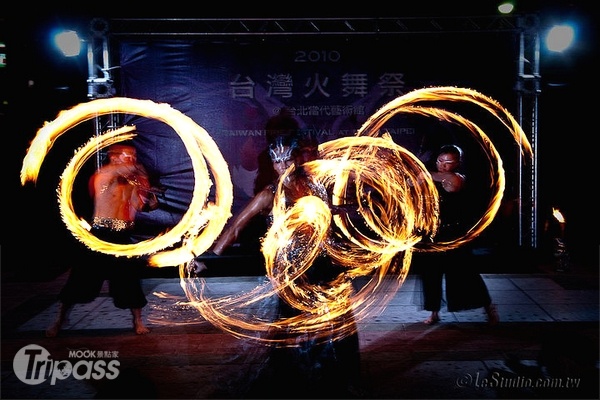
x=560, y=38
x=68, y=42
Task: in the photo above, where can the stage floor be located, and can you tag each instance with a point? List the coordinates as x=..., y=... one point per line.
x=542, y=315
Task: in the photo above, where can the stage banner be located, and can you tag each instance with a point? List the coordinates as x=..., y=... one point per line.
x=231, y=88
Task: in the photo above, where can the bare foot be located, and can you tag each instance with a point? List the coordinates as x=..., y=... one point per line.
x=434, y=318
x=138, y=323
x=140, y=328
x=492, y=314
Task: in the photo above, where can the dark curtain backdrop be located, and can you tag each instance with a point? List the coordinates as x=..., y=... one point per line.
x=331, y=85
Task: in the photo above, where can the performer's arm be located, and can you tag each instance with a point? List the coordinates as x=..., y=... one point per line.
x=262, y=201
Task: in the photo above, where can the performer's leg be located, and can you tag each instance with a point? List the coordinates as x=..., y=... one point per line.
x=432, y=278
x=126, y=291
x=83, y=286
x=61, y=318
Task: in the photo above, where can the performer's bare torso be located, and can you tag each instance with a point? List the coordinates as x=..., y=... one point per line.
x=116, y=189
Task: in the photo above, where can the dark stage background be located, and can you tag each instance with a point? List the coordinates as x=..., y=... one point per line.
x=331, y=86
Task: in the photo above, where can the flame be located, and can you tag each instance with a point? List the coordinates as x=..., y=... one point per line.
x=202, y=222
x=558, y=215
x=388, y=216
x=381, y=217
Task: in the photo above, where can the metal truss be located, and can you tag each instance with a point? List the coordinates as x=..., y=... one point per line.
x=309, y=26
x=528, y=74
x=528, y=92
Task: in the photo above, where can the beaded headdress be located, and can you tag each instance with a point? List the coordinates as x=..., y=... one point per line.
x=281, y=151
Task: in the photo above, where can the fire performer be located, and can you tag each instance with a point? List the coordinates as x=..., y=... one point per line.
x=119, y=189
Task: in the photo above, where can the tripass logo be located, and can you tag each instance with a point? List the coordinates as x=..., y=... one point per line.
x=33, y=365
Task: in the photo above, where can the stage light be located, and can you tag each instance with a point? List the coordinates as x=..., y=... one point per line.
x=559, y=38
x=506, y=7
x=68, y=42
